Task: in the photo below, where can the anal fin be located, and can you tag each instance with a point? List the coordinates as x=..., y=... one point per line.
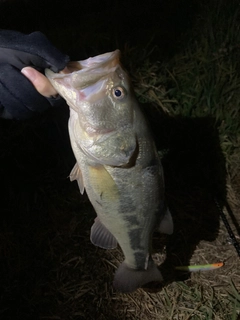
x=101, y=236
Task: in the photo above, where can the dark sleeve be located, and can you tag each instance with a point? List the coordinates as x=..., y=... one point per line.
x=18, y=97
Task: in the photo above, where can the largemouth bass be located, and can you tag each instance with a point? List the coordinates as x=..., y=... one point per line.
x=117, y=164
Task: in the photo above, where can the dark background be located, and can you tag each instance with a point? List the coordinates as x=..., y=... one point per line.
x=93, y=26
x=43, y=215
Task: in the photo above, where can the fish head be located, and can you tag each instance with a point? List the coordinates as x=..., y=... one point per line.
x=100, y=94
x=99, y=91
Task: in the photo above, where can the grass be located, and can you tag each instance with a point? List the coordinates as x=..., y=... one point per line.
x=203, y=79
x=48, y=267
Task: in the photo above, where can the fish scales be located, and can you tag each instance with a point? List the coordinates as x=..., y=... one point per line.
x=117, y=164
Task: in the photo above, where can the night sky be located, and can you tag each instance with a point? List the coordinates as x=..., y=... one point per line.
x=81, y=28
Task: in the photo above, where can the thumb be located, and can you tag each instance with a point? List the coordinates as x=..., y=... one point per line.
x=39, y=81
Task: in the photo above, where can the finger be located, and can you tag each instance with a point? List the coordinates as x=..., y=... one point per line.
x=18, y=97
x=40, y=82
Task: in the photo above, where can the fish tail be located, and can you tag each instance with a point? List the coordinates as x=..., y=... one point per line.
x=128, y=280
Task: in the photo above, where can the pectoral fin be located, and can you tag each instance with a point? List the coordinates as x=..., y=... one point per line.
x=76, y=174
x=101, y=236
x=166, y=224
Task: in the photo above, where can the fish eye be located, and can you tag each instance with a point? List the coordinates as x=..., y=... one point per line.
x=118, y=92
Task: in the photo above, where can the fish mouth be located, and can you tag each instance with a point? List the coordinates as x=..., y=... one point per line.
x=109, y=58
x=91, y=70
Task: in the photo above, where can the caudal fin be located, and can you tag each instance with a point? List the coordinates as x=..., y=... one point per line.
x=128, y=280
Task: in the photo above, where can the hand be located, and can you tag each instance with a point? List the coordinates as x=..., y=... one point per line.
x=31, y=53
x=40, y=82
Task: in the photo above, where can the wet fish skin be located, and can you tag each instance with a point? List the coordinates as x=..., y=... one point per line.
x=117, y=164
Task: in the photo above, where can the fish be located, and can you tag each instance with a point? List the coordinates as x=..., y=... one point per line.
x=117, y=164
